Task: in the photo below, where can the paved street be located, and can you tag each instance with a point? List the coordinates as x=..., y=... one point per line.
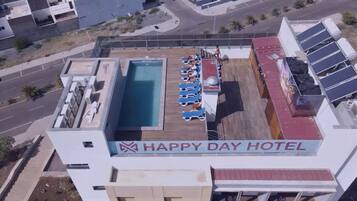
x=37, y=76
x=191, y=22
x=16, y=118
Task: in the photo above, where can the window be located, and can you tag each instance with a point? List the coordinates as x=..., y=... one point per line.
x=172, y=198
x=88, y=144
x=126, y=199
x=77, y=166
x=114, y=175
x=98, y=188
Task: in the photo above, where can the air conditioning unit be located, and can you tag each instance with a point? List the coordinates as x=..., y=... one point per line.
x=67, y=113
x=88, y=96
x=93, y=83
x=61, y=122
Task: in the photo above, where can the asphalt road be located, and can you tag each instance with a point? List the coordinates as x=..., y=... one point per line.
x=16, y=118
x=191, y=22
x=37, y=76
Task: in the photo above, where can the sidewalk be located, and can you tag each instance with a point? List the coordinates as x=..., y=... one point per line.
x=220, y=9
x=30, y=175
x=37, y=127
x=44, y=60
x=163, y=27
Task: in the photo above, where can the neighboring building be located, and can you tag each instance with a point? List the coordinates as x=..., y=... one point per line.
x=282, y=124
x=208, y=3
x=39, y=19
x=22, y=17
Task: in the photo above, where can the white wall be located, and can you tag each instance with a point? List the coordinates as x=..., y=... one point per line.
x=7, y=31
x=69, y=146
x=233, y=52
x=287, y=39
x=210, y=100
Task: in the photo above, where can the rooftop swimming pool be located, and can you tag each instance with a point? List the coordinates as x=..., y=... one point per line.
x=143, y=99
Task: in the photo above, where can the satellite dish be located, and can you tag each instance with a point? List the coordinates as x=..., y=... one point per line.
x=212, y=81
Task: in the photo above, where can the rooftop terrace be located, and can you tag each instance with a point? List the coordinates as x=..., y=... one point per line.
x=240, y=110
x=175, y=128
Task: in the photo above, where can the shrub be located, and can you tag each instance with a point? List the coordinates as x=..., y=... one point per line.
x=11, y=101
x=299, y=4
x=5, y=146
x=223, y=30
x=2, y=59
x=121, y=18
x=349, y=18
x=286, y=9
x=21, y=43
x=263, y=17
x=154, y=10
x=236, y=25
x=251, y=20
x=310, y=1
x=139, y=20
x=275, y=12
x=30, y=91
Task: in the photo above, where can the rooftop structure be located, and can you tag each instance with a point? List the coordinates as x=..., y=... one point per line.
x=184, y=124
x=88, y=85
x=18, y=9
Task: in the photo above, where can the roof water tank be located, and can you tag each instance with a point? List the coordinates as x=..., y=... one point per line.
x=332, y=28
x=347, y=49
x=212, y=81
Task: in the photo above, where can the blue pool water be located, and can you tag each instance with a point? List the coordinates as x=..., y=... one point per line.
x=141, y=101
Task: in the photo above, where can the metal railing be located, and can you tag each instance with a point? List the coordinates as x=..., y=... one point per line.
x=104, y=44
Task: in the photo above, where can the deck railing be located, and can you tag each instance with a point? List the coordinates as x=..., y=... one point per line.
x=104, y=44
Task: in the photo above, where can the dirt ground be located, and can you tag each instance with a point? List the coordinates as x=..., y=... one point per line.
x=77, y=38
x=55, y=189
x=8, y=163
x=5, y=170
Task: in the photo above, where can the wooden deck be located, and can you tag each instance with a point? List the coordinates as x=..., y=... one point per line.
x=240, y=110
x=175, y=128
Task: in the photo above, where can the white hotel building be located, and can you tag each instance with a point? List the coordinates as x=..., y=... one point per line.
x=282, y=124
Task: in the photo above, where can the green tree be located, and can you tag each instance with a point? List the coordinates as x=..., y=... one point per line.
x=299, y=4
x=6, y=143
x=223, y=30
x=251, y=20
x=21, y=43
x=263, y=17
x=275, y=12
x=349, y=18
x=30, y=91
x=236, y=25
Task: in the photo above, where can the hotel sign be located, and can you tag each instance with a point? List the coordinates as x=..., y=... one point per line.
x=259, y=147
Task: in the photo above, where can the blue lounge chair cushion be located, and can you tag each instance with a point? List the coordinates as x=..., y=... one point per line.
x=189, y=100
x=190, y=85
x=200, y=114
x=190, y=92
